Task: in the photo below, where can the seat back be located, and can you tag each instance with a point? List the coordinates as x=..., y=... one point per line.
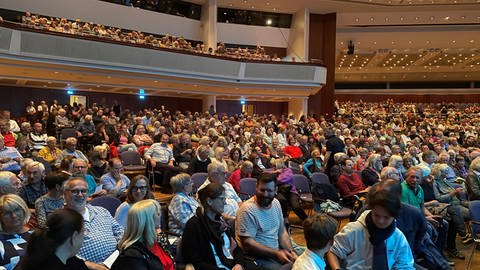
x=475, y=217
x=130, y=158
x=198, y=179
x=68, y=132
x=287, y=266
x=302, y=183
x=320, y=178
x=247, y=188
x=107, y=202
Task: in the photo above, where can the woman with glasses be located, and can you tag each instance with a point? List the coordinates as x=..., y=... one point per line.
x=56, y=246
x=14, y=215
x=208, y=241
x=139, y=248
x=137, y=190
x=182, y=206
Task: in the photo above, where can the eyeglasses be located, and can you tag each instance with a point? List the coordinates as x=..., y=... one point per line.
x=80, y=167
x=141, y=188
x=78, y=191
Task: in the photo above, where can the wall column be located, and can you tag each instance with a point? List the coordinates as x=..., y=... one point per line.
x=207, y=101
x=298, y=107
x=209, y=23
x=322, y=34
x=298, y=38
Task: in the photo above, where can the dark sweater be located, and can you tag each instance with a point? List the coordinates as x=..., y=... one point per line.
x=137, y=257
x=197, y=165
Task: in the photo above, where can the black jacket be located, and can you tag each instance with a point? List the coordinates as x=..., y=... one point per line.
x=137, y=257
x=196, y=248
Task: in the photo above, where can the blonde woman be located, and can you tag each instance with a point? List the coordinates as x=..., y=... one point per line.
x=14, y=233
x=139, y=249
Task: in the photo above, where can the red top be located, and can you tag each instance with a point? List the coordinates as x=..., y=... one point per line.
x=350, y=184
x=9, y=139
x=167, y=262
x=293, y=151
x=235, y=177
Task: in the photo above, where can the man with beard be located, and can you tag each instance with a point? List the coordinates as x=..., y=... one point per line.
x=79, y=169
x=260, y=229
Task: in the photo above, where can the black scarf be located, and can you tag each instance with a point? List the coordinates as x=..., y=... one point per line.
x=377, y=238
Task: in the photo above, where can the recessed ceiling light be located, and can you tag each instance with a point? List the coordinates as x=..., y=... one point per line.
x=269, y=22
x=447, y=18
x=56, y=72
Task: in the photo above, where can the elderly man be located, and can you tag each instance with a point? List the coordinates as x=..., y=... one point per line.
x=160, y=157
x=79, y=169
x=51, y=152
x=8, y=136
x=85, y=131
x=70, y=150
x=37, y=138
x=9, y=183
x=200, y=162
x=13, y=124
x=102, y=231
x=35, y=188
x=217, y=174
x=115, y=182
x=260, y=229
x=10, y=158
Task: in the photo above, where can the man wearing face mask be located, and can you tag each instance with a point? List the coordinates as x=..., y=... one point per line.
x=260, y=229
x=160, y=157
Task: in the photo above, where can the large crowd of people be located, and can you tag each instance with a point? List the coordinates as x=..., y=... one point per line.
x=89, y=29
x=408, y=170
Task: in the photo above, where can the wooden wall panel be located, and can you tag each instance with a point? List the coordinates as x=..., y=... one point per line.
x=322, y=47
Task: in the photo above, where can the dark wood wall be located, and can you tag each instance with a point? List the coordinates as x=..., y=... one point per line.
x=321, y=46
x=232, y=107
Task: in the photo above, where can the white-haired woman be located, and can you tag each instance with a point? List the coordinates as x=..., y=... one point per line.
x=139, y=249
x=182, y=206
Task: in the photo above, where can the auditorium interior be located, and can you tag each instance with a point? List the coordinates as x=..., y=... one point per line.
x=305, y=64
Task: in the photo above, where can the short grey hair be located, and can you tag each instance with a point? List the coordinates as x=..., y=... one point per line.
x=215, y=167
x=386, y=172
x=179, y=181
x=71, y=140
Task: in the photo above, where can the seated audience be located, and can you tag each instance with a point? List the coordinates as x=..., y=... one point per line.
x=371, y=174
x=35, y=186
x=100, y=226
x=9, y=137
x=9, y=183
x=373, y=241
x=318, y=231
x=56, y=246
x=37, y=138
x=160, y=157
x=182, y=206
x=78, y=168
x=115, y=182
x=314, y=164
x=245, y=171
x=217, y=174
x=98, y=165
x=70, y=150
x=201, y=161
x=10, y=158
x=139, y=248
x=14, y=215
x=235, y=159
x=260, y=228
x=51, y=201
x=208, y=241
x=51, y=152
x=350, y=183
x=287, y=193
x=473, y=180
x=137, y=190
